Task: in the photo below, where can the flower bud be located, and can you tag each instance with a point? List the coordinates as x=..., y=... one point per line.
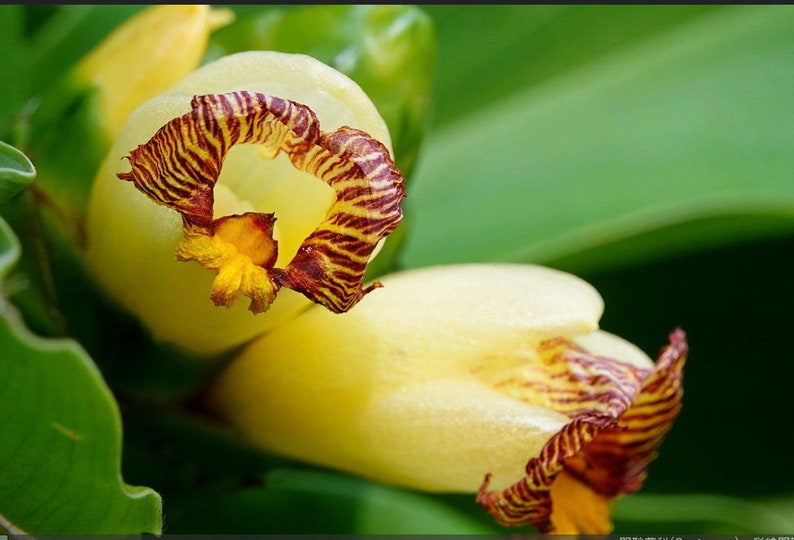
x=465, y=378
x=146, y=55
x=79, y=116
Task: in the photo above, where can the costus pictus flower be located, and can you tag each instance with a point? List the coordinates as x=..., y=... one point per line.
x=486, y=378
x=272, y=171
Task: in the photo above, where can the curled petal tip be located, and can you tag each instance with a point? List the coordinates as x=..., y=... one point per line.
x=605, y=449
x=330, y=264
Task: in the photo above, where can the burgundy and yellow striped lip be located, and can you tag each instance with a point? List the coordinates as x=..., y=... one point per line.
x=619, y=416
x=180, y=165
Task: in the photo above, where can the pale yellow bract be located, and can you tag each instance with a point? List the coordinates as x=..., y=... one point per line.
x=132, y=242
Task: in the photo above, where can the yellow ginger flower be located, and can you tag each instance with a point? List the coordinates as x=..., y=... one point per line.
x=473, y=378
x=272, y=171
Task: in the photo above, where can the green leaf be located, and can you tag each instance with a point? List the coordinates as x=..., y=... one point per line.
x=68, y=34
x=61, y=446
x=304, y=501
x=214, y=482
x=677, y=141
x=16, y=172
x=702, y=513
x=39, y=45
x=68, y=145
x=13, y=82
x=523, y=46
x=9, y=253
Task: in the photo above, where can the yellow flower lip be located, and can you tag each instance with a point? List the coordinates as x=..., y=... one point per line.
x=180, y=165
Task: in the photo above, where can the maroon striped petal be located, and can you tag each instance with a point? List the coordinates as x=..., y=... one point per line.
x=179, y=167
x=619, y=416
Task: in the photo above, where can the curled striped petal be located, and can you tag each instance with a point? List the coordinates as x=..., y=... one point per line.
x=619, y=416
x=180, y=165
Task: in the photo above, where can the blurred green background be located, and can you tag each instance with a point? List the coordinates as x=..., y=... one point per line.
x=648, y=149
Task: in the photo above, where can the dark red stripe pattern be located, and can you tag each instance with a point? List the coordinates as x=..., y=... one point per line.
x=179, y=167
x=617, y=424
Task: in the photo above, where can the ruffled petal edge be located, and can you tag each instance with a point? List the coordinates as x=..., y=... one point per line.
x=606, y=449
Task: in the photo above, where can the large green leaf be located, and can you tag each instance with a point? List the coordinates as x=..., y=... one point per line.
x=60, y=448
x=61, y=444
x=490, y=52
x=676, y=141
